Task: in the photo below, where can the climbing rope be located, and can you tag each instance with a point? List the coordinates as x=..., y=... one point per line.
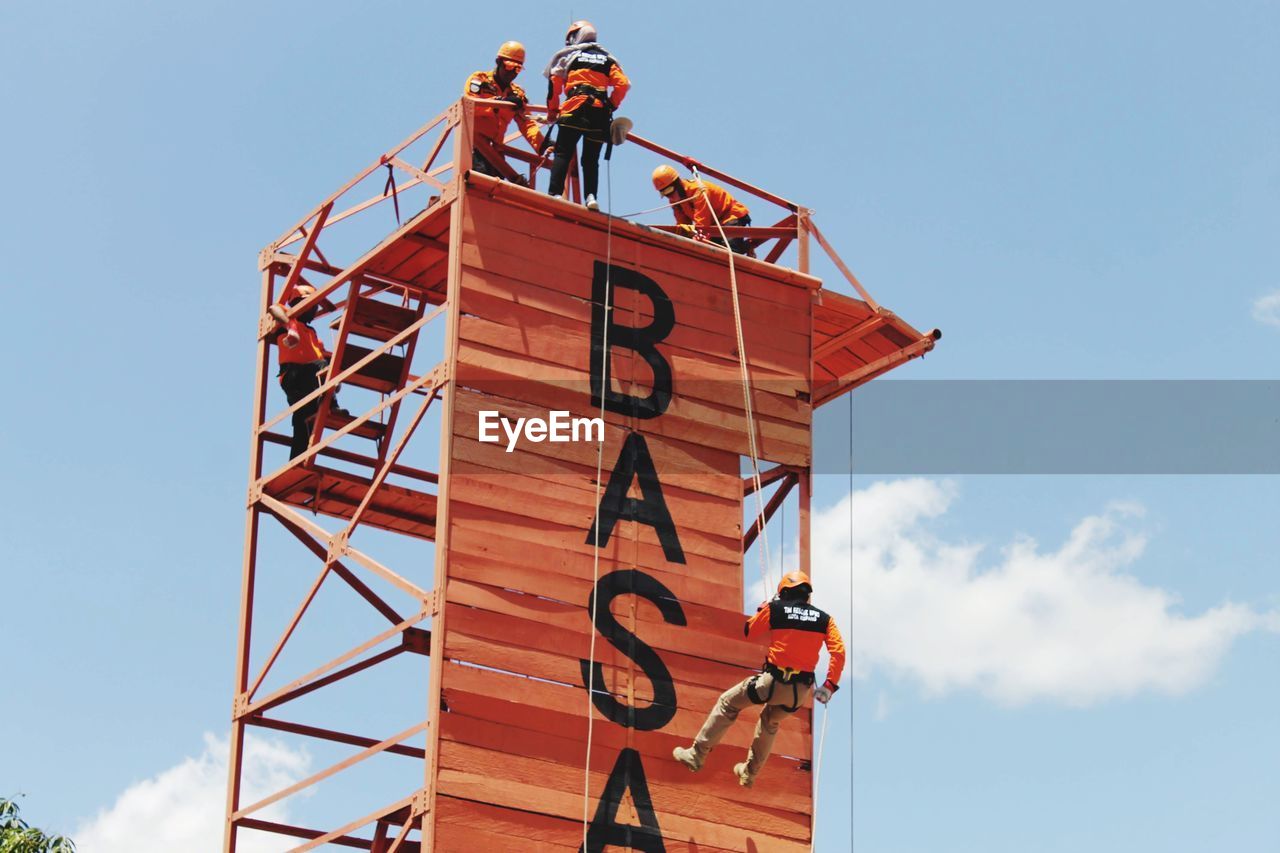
x=822, y=739
x=849, y=646
x=656, y=209
x=761, y=527
x=817, y=777
x=607, y=308
x=755, y=465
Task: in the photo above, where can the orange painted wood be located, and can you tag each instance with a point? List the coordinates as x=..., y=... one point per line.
x=717, y=387
x=502, y=372
x=498, y=829
x=679, y=462
x=498, y=300
x=521, y=568
x=578, y=512
x=572, y=641
x=715, y=644
x=574, y=484
x=533, y=797
x=545, y=385
x=505, y=226
x=715, y=780
x=565, y=468
x=698, y=329
x=560, y=710
x=562, y=703
x=503, y=768
x=511, y=548
x=499, y=573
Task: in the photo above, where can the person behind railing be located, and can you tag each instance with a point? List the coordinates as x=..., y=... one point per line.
x=491, y=123
x=582, y=73
x=693, y=204
x=303, y=361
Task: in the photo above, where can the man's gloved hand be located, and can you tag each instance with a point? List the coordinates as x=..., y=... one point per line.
x=823, y=694
x=687, y=230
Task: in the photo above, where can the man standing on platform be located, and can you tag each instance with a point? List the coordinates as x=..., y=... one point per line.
x=491, y=122
x=582, y=73
x=693, y=203
x=796, y=631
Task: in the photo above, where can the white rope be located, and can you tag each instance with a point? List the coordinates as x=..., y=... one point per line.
x=849, y=644
x=595, y=545
x=746, y=393
x=817, y=777
x=676, y=203
x=599, y=473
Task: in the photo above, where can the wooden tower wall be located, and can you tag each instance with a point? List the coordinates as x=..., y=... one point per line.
x=515, y=561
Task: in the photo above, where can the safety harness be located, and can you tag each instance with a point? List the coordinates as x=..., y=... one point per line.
x=780, y=675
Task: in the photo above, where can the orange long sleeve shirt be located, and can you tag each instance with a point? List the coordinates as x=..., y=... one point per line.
x=492, y=123
x=696, y=209
x=797, y=632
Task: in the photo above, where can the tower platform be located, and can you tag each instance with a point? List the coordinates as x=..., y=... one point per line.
x=493, y=297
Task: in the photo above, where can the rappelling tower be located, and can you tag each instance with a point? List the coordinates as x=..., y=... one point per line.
x=474, y=567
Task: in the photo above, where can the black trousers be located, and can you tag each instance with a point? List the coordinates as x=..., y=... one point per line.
x=483, y=166
x=299, y=380
x=739, y=245
x=566, y=145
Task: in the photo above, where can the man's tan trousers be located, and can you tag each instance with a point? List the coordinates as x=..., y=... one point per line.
x=778, y=700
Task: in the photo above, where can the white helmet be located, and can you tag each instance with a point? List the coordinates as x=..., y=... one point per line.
x=580, y=32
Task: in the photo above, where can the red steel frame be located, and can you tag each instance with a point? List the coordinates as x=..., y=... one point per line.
x=282, y=271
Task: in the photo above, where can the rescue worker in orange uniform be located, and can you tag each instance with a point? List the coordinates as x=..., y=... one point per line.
x=592, y=84
x=693, y=206
x=499, y=84
x=303, y=360
x=796, y=631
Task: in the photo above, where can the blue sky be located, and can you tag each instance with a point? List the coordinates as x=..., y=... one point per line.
x=1084, y=192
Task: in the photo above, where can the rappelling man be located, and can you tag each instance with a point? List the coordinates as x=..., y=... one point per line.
x=491, y=122
x=693, y=203
x=797, y=631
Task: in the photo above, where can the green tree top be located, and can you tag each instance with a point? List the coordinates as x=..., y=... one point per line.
x=17, y=837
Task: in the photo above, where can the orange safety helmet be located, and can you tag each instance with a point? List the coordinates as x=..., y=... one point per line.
x=512, y=50
x=580, y=32
x=664, y=176
x=794, y=579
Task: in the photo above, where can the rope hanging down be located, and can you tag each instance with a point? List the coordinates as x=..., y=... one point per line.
x=851, y=622
x=822, y=739
x=755, y=468
x=761, y=527
x=595, y=545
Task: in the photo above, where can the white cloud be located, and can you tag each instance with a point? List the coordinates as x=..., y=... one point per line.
x=1066, y=625
x=1267, y=309
x=182, y=808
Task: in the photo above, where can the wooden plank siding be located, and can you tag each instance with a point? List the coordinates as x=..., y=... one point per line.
x=522, y=565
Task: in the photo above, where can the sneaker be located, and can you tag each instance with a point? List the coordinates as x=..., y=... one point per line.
x=687, y=757
x=744, y=778
x=592, y=204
